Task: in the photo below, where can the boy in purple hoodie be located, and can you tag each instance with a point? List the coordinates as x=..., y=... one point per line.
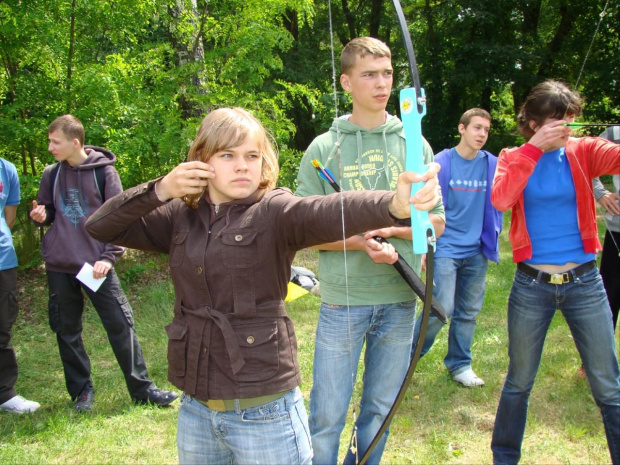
x=71, y=191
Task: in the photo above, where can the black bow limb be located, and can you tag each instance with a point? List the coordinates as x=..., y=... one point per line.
x=416, y=284
x=426, y=311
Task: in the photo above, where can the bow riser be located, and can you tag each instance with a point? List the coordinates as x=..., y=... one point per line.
x=413, y=109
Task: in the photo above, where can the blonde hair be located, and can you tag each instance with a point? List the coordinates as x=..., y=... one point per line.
x=362, y=46
x=227, y=128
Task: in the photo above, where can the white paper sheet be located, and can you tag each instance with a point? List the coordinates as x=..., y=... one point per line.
x=86, y=276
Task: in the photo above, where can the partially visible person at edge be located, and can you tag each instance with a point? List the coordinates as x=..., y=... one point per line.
x=470, y=240
x=547, y=182
x=68, y=195
x=232, y=347
x=610, y=258
x=9, y=199
x=368, y=301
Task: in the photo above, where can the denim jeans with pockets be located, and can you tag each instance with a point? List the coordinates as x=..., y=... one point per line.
x=531, y=307
x=459, y=288
x=274, y=433
x=387, y=331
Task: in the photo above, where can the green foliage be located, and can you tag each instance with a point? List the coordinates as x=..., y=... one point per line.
x=26, y=240
x=141, y=74
x=289, y=167
x=139, y=267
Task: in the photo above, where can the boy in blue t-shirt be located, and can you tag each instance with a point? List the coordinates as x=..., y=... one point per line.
x=470, y=239
x=9, y=199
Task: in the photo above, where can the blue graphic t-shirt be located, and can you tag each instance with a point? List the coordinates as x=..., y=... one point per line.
x=9, y=195
x=464, y=207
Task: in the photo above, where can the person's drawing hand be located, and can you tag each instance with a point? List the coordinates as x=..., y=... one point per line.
x=186, y=179
x=551, y=136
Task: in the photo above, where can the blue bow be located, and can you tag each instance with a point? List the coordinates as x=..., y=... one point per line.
x=413, y=109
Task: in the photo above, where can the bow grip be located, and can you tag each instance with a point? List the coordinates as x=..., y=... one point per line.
x=412, y=109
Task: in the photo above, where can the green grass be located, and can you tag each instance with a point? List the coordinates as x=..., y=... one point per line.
x=438, y=422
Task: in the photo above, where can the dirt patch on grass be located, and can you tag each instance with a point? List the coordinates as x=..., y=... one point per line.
x=481, y=420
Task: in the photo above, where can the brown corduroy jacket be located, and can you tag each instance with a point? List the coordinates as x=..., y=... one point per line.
x=231, y=337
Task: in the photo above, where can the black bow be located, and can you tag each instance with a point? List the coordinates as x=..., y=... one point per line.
x=413, y=108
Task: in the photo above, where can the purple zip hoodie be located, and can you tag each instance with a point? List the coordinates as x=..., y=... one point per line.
x=72, y=199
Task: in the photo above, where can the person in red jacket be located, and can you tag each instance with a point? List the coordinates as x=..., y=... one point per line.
x=547, y=184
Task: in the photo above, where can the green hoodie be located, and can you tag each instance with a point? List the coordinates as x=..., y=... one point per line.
x=362, y=165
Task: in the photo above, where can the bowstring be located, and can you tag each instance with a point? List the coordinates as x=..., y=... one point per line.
x=583, y=65
x=353, y=370
x=601, y=16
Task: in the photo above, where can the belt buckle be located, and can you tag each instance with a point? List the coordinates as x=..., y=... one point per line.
x=217, y=405
x=559, y=278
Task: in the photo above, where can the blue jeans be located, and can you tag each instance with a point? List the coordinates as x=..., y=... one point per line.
x=276, y=432
x=341, y=333
x=459, y=288
x=531, y=307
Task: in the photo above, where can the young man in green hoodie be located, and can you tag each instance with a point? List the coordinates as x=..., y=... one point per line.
x=364, y=299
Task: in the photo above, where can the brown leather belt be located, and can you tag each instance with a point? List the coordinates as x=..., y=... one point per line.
x=226, y=405
x=557, y=278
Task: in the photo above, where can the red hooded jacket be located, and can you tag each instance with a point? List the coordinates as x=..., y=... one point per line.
x=588, y=157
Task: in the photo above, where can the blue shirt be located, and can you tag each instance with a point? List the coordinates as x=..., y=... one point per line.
x=551, y=213
x=9, y=195
x=464, y=207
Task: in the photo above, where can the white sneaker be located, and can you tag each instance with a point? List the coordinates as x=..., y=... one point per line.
x=19, y=405
x=468, y=378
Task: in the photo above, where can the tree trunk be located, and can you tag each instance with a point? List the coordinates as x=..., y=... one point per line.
x=291, y=23
x=567, y=18
x=350, y=19
x=376, y=10
x=188, y=53
x=70, y=58
x=524, y=81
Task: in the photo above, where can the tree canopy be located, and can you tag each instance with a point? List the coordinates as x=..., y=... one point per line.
x=141, y=74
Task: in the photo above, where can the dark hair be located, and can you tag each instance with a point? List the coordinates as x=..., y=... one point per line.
x=70, y=126
x=549, y=99
x=469, y=114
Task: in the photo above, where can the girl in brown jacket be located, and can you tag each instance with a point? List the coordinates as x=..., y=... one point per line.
x=231, y=237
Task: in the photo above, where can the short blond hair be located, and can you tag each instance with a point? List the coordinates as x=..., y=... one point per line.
x=228, y=128
x=362, y=46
